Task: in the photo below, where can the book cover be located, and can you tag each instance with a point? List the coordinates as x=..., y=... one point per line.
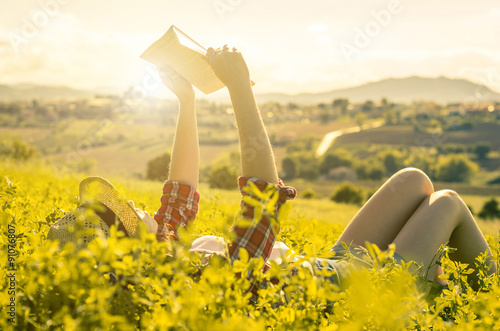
x=186, y=56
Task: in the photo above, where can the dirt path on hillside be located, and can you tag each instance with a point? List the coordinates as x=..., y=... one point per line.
x=330, y=137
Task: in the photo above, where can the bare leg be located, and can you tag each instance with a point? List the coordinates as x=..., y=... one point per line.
x=185, y=160
x=442, y=218
x=385, y=214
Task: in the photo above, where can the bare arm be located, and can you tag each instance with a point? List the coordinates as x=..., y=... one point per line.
x=257, y=158
x=185, y=161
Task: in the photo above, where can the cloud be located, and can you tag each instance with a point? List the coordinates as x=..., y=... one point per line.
x=323, y=72
x=63, y=52
x=291, y=53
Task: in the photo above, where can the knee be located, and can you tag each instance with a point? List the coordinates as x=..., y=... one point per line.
x=415, y=180
x=447, y=199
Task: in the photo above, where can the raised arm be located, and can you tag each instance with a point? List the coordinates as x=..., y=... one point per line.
x=257, y=158
x=185, y=161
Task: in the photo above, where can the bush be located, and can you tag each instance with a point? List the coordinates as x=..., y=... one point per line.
x=370, y=194
x=308, y=194
x=494, y=181
x=348, y=193
x=490, y=210
x=452, y=149
x=455, y=168
x=223, y=175
x=371, y=169
x=338, y=158
x=305, y=143
x=482, y=149
x=421, y=161
x=306, y=164
x=16, y=149
x=158, y=168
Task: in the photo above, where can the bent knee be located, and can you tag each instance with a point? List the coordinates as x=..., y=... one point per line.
x=415, y=180
x=447, y=197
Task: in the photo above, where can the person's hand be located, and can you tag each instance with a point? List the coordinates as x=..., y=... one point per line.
x=148, y=220
x=177, y=84
x=229, y=66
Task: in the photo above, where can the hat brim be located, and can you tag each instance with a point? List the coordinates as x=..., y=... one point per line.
x=99, y=189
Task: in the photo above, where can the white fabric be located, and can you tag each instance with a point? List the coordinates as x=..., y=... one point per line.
x=150, y=223
x=214, y=244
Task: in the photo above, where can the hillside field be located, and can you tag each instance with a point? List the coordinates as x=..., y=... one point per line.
x=405, y=135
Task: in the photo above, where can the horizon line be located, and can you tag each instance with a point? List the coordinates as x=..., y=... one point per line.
x=123, y=89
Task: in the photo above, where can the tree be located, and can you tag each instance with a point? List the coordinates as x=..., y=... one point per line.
x=490, y=210
x=289, y=168
x=367, y=106
x=347, y=193
x=482, y=149
x=158, y=168
x=360, y=119
x=370, y=168
x=390, y=117
x=324, y=117
x=452, y=149
x=341, y=104
x=384, y=103
x=422, y=161
x=339, y=158
x=392, y=161
x=306, y=164
x=13, y=109
x=322, y=106
x=455, y=168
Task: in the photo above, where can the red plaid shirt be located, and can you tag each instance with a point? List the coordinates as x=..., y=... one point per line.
x=179, y=205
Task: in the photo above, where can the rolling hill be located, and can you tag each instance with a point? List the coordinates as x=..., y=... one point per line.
x=441, y=90
x=30, y=91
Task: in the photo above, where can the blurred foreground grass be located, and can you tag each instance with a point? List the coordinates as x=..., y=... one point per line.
x=67, y=291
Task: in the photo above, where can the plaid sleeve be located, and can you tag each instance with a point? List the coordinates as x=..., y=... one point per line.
x=256, y=226
x=179, y=206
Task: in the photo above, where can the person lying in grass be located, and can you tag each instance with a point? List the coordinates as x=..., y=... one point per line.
x=405, y=211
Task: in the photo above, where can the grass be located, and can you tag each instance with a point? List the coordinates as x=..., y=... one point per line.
x=64, y=291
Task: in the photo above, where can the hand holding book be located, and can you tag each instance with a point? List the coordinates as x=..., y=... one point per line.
x=186, y=57
x=181, y=87
x=229, y=66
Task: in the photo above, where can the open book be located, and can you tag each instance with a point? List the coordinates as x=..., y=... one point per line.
x=185, y=56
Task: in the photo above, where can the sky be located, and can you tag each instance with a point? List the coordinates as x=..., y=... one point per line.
x=290, y=46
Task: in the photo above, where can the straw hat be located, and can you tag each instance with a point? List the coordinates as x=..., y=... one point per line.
x=102, y=206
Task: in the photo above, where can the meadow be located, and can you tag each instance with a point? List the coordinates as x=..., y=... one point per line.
x=63, y=290
x=48, y=288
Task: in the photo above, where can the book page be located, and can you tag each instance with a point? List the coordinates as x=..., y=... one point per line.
x=185, y=40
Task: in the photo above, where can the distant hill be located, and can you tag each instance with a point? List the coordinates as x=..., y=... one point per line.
x=29, y=92
x=441, y=90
